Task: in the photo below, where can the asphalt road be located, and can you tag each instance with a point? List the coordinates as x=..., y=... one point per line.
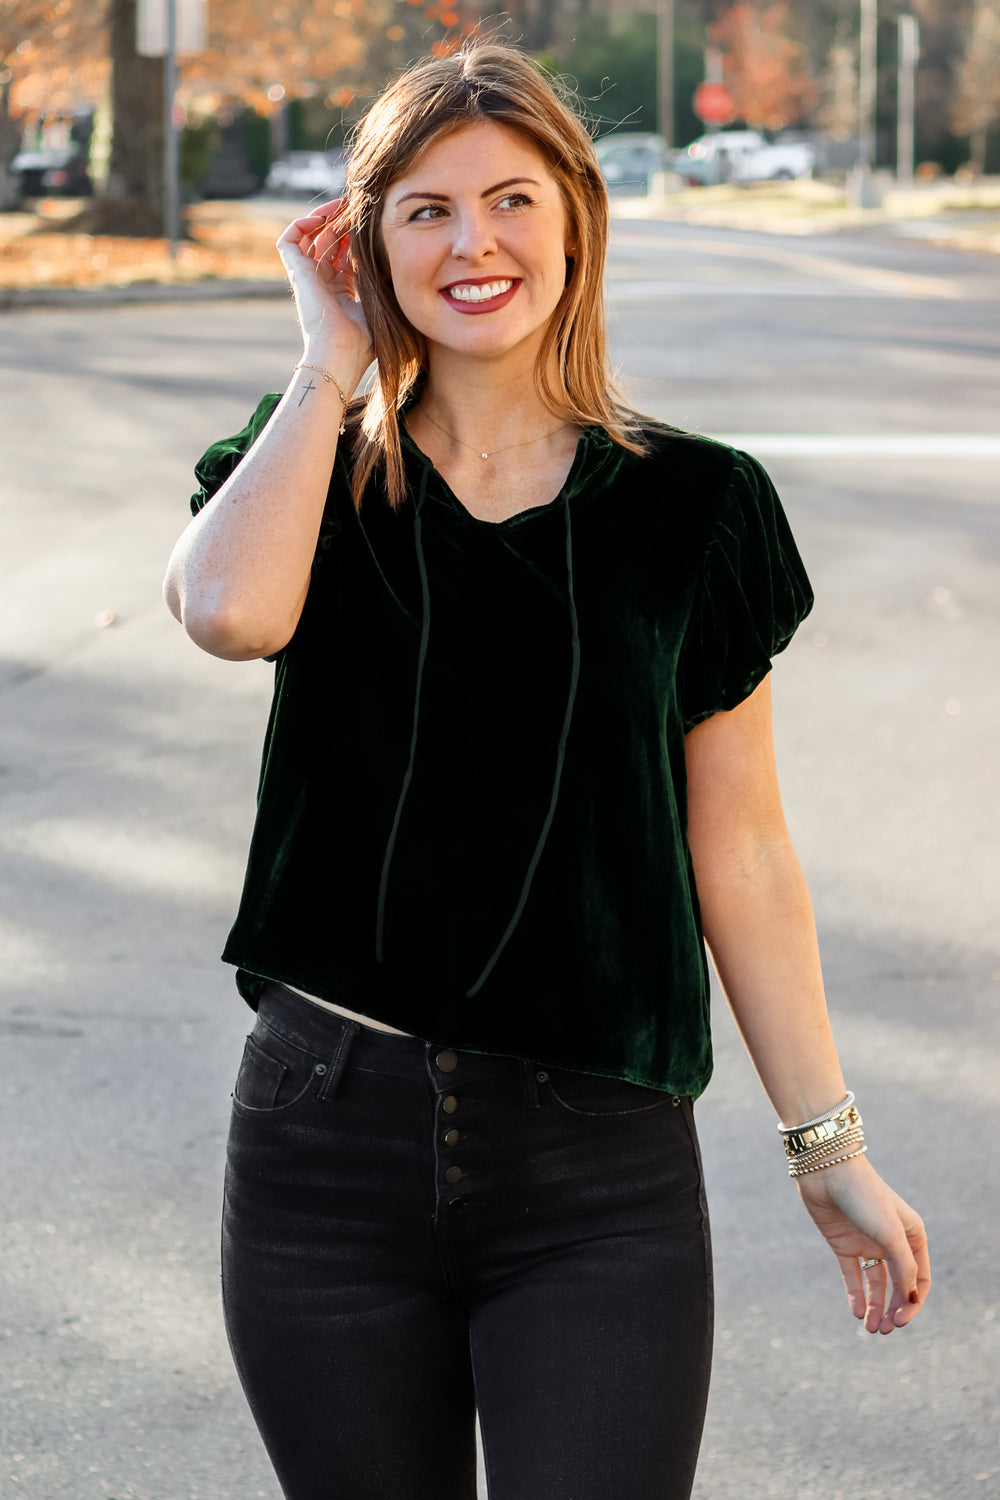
x=864, y=372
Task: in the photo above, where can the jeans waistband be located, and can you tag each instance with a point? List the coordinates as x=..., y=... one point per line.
x=329, y=1036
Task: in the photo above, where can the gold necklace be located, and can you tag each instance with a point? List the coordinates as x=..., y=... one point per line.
x=471, y=447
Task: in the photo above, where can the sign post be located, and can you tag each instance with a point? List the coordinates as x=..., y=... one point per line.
x=909, y=51
x=867, y=82
x=165, y=28
x=665, y=69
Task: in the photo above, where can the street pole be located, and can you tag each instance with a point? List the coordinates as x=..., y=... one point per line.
x=714, y=73
x=867, y=85
x=909, y=46
x=171, y=154
x=665, y=69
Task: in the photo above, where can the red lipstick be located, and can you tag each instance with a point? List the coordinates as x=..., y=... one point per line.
x=492, y=304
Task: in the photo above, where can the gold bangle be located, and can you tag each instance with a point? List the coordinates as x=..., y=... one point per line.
x=802, y=1137
x=329, y=380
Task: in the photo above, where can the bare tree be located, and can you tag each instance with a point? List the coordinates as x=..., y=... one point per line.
x=977, y=84
x=837, y=112
x=132, y=200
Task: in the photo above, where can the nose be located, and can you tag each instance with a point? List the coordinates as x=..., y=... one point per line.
x=474, y=237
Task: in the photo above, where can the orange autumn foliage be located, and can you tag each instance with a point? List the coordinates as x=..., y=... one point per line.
x=764, y=68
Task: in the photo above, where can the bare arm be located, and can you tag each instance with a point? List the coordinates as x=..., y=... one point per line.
x=237, y=578
x=759, y=927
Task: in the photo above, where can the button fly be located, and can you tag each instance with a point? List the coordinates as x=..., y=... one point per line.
x=453, y=1174
x=449, y=1104
x=447, y=1060
x=451, y=1136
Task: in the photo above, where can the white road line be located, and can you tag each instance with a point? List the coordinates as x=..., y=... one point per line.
x=864, y=444
x=709, y=291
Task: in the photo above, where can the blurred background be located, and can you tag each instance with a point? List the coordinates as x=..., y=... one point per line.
x=804, y=263
x=835, y=104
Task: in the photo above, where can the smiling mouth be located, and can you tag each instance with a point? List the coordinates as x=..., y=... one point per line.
x=468, y=291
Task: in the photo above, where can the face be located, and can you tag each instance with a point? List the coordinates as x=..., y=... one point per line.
x=476, y=236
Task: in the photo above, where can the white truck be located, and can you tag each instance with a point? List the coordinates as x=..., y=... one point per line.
x=743, y=156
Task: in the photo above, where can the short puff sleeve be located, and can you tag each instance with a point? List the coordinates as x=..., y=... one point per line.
x=751, y=596
x=219, y=462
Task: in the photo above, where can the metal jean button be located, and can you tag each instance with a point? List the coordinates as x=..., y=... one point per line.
x=447, y=1060
x=449, y=1104
x=453, y=1174
x=450, y=1137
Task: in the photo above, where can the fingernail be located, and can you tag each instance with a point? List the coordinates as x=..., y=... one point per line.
x=914, y=1296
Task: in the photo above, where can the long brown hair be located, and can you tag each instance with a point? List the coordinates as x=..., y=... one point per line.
x=491, y=81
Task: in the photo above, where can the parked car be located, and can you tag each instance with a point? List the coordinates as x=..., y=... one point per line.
x=307, y=174
x=628, y=160
x=743, y=156
x=49, y=173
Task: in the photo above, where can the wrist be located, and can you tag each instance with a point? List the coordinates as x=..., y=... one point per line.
x=827, y=1141
x=339, y=362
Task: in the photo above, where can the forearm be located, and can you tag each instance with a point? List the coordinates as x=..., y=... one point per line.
x=238, y=576
x=758, y=923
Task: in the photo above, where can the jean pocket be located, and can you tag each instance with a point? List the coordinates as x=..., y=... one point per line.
x=274, y=1075
x=588, y=1094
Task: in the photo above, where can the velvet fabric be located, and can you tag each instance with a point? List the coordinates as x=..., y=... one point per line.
x=472, y=807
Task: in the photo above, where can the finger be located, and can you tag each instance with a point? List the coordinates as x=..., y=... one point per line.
x=854, y=1285
x=330, y=208
x=876, y=1289
x=899, y=1253
x=298, y=234
x=307, y=227
x=904, y=1308
x=330, y=242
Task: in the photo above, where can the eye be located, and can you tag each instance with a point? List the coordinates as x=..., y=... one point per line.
x=511, y=202
x=426, y=214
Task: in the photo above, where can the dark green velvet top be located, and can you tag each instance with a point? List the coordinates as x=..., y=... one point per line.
x=472, y=807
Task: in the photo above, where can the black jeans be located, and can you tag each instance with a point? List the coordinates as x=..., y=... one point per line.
x=411, y=1234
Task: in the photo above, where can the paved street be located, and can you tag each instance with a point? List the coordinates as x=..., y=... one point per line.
x=864, y=372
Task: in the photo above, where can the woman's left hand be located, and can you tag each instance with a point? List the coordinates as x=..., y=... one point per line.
x=861, y=1218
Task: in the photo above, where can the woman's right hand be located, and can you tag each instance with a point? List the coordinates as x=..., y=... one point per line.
x=317, y=261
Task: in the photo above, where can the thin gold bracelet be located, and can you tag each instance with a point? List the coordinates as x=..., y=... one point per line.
x=330, y=380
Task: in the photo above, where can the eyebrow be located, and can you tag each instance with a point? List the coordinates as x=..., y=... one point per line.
x=444, y=198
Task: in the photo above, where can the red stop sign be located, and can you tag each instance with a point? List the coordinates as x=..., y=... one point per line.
x=713, y=103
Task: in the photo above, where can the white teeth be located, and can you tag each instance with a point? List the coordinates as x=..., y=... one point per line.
x=468, y=293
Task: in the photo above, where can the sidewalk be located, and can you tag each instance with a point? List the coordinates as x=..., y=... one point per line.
x=231, y=252
x=955, y=215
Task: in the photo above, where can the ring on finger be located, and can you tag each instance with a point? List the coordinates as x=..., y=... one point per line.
x=869, y=1265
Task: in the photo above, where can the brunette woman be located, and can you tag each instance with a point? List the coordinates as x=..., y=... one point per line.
x=518, y=767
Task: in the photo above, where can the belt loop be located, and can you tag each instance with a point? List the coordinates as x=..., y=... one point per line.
x=335, y=1067
x=530, y=1084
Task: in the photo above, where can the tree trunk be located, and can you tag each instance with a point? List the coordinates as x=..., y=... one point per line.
x=135, y=170
x=132, y=201
x=977, y=148
x=9, y=139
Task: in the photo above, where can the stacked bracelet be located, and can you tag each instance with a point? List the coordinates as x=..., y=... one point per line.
x=329, y=380
x=825, y=1141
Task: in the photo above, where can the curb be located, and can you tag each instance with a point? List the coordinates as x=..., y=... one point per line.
x=12, y=298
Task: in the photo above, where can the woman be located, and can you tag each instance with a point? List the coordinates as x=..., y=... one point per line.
x=519, y=762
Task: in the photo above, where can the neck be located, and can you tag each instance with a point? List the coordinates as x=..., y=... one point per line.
x=482, y=406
